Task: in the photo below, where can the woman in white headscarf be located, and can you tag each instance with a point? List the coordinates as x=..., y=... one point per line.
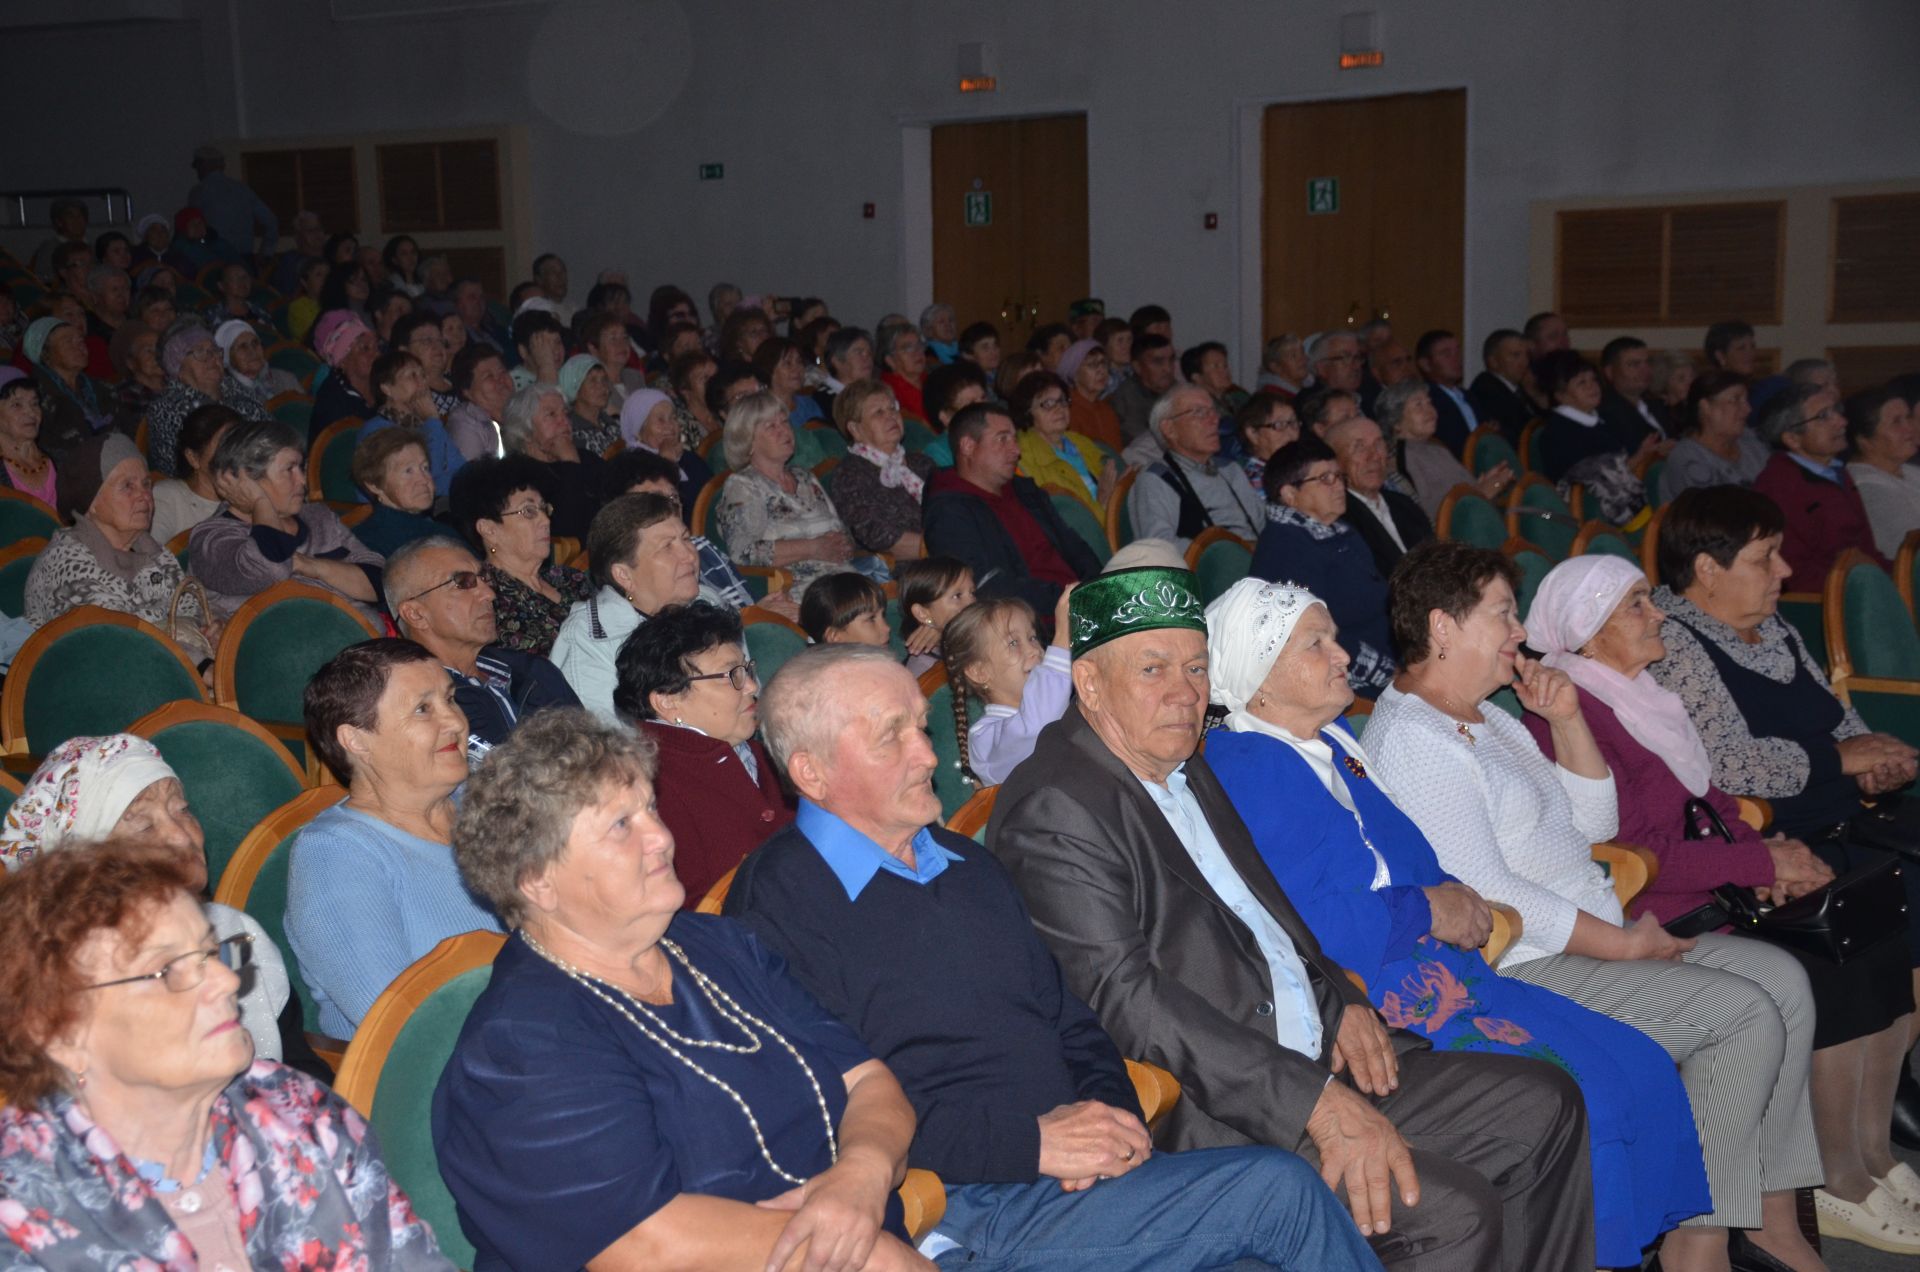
x=1594, y=619
x=93, y=789
x=1367, y=882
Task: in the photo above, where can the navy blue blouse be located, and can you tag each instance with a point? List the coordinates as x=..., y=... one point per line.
x=560, y=1126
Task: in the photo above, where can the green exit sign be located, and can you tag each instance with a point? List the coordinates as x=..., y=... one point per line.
x=712, y=171
x=979, y=208
x=1323, y=196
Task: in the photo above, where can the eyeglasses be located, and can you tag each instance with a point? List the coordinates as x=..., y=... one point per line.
x=542, y=510
x=740, y=675
x=1830, y=413
x=1195, y=412
x=459, y=580
x=189, y=971
x=1049, y=404
x=1331, y=478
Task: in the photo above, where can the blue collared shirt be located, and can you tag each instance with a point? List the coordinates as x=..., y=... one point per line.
x=855, y=859
x=1833, y=470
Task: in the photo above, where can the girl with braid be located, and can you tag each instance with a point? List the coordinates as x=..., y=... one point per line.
x=994, y=653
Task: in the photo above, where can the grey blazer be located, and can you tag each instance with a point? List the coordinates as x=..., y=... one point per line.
x=1174, y=975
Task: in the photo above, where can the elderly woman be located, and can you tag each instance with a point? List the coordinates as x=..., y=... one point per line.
x=1306, y=541
x=391, y=465
x=639, y=472
x=778, y=364
x=196, y=377
x=1085, y=369
x=687, y=378
x=267, y=532
x=1594, y=619
x=108, y=557
x=534, y=425
x=247, y=364
x=1670, y=383
x=715, y=1115
x=1716, y=448
x=139, y=1128
x=1884, y=437
x=23, y=465
x=500, y=507
x=904, y=357
x=348, y=346
x=1264, y=424
x=1055, y=453
x=73, y=405
x=588, y=391
x=400, y=386
x=642, y=561
x=371, y=884
x=878, y=486
x=1368, y=884
x=181, y=503
x=1517, y=828
x=648, y=423
x=481, y=380
x=1407, y=416
x=686, y=682
x=772, y=513
x=135, y=354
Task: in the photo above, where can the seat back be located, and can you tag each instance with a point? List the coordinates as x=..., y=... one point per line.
x=10, y=790
x=1650, y=482
x=1537, y=513
x=90, y=671
x=1486, y=450
x=1869, y=629
x=1534, y=568
x=293, y=408
x=1530, y=445
x=771, y=640
x=971, y=818
x=276, y=642
x=1805, y=610
x=1467, y=516
x=1905, y=562
x=234, y=772
x=395, y=1061
x=16, y=562
x=330, y=463
x=949, y=784
x=915, y=436
x=1081, y=521
x=1219, y=559
x=255, y=880
x=704, y=521
x=1598, y=536
x=1119, y=521
x=24, y=517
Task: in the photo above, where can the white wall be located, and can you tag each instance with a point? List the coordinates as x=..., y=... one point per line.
x=805, y=104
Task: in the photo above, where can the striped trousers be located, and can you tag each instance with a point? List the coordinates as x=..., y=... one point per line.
x=1737, y=1016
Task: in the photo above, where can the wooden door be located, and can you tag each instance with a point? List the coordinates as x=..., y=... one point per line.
x=1388, y=237
x=1028, y=262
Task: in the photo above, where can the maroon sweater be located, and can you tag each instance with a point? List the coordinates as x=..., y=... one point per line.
x=1824, y=519
x=1652, y=806
x=716, y=812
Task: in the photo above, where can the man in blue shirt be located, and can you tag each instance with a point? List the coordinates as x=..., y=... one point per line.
x=233, y=211
x=915, y=937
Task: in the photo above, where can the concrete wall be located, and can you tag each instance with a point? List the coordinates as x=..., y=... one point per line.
x=814, y=110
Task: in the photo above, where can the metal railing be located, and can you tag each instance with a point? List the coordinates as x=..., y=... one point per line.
x=13, y=205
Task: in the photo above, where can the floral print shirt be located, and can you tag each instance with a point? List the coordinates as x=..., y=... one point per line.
x=306, y=1181
x=528, y=621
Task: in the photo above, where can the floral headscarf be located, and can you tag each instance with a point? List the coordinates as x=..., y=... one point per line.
x=78, y=794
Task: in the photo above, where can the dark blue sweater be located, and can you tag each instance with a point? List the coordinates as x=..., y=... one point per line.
x=1340, y=571
x=949, y=984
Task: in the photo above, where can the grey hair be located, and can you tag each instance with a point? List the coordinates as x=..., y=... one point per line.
x=932, y=312
x=743, y=423
x=102, y=273
x=1278, y=345
x=397, y=581
x=248, y=447
x=1785, y=411
x=889, y=335
x=521, y=802
x=1372, y=325
x=1317, y=346
x=1666, y=362
x=1392, y=404
x=1802, y=372
x=797, y=711
x=841, y=343
x=1164, y=407
x=516, y=419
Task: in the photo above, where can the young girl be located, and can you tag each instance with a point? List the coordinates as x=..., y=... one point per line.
x=932, y=591
x=845, y=609
x=993, y=653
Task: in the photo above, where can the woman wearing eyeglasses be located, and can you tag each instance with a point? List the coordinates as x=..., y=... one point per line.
x=371, y=883
x=500, y=507
x=1052, y=453
x=139, y=1129
x=877, y=488
x=686, y=682
x=1306, y=544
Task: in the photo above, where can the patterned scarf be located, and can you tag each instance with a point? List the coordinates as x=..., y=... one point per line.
x=894, y=473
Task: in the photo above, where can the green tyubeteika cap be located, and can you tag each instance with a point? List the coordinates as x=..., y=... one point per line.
x=1148, y=599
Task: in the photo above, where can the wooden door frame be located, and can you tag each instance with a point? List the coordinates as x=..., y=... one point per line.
x=915, y=245
x=1248, y=142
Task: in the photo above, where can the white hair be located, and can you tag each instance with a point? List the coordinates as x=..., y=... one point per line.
x=797, y=711
x=1318, y=346
x=1163, y=408
x=744, y=421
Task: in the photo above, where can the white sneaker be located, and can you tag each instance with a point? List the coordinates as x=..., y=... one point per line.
x=1881, y=1221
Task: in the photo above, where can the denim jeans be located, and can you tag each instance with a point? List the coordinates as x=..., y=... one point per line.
x=1209, y=1209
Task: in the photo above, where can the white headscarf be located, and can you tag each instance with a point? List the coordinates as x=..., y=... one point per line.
x=1574, y=602
x=78, y=794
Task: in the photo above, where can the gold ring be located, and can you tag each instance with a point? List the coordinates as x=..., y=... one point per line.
x=1127, y=1156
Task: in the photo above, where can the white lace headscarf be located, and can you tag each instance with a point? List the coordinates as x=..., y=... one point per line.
x=78, y=794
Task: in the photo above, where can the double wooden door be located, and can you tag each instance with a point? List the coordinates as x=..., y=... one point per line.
x=1010, y=221
x=1364, y=214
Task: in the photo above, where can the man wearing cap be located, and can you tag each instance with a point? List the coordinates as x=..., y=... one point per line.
x=233, y=211
x=1147, y=886
x=348, y=346
x=1084, y=315
x=915, y=938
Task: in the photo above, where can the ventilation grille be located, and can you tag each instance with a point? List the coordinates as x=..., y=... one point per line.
x=1670, y=265
x=1876, y=258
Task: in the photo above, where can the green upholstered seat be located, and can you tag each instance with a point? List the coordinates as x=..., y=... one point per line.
x=1081, y=520
x=1222, y=563
x=13, y=584
x=99, y=678
x=770, y=645
x=233, y=779
x=1534, y=568
x=1651, y=483
x=1609, y=544
x=295, y=360
x=22, y=520
x=1475, y=520
x=267, y=904
x=827, y=440
x=953, y=789
x=1553, y=533
x=1881, y=640
x=403, y=1103
x=282, y=648
x=295, y=411
x=1507, y=701
x=914, y=435
x=1806, y=615
x=715, y=452
x=335, y=466
x=894, y=642
x=1489, y=451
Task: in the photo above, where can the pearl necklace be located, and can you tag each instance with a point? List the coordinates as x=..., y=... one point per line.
x=730, y=1011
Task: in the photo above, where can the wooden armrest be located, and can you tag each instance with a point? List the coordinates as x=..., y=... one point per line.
x=332, y=1050
x=1506, y=930
x=1156, y=1089
x=924, y=1198
x=1631, y=867
x=1756, y=812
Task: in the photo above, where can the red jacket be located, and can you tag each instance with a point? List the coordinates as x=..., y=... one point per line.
x=1824, y=519
x=716, y=812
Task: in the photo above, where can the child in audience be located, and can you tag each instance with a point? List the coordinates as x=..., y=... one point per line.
x=932, y=590
x=993, y=653
x=845, y=609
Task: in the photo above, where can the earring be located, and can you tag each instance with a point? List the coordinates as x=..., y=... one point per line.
x=678, y=720
x=1443, y=655
x=80, y=1081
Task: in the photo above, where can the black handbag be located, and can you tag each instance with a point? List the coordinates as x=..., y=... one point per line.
x=1839, y=922
x=1694, y=812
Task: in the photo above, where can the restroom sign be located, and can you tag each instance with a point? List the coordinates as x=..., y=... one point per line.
x=979, y=208
x=1323, y=196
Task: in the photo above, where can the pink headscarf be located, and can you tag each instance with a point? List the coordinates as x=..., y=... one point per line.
x=334, y=334
x=1076, y=354
x=634, y=412
x=1574, y=602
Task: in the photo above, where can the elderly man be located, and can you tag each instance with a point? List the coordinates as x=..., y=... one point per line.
x=1500, y=393
x=470, y=302
x=309, y=240
x=1810, y=482
x=550, y=272
x=915, y=938
x=1437, y=355
x=940, y=328
x=1392, y=523
x=437, y=597
x=1626, y=372
x=1283, y=367
x=1184, y=491
x=1002, y=525
x=1336, y=361
x=1546, y=334
x=233, y=211
x=1387, y=365
x=1153, y=375
x=1145, y=882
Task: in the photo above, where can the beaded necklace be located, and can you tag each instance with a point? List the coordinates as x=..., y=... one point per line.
x=672, y=1041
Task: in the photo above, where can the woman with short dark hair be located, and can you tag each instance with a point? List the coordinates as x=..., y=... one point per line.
x=392, y=466
x=406, y=403
x=1884, y=437
x=371, y=883
x=877, y=488
x=501, y=508
x=181, y=503
x=1052, y=451
x=1716, y=448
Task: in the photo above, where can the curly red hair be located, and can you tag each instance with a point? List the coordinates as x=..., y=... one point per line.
x=48, y=909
